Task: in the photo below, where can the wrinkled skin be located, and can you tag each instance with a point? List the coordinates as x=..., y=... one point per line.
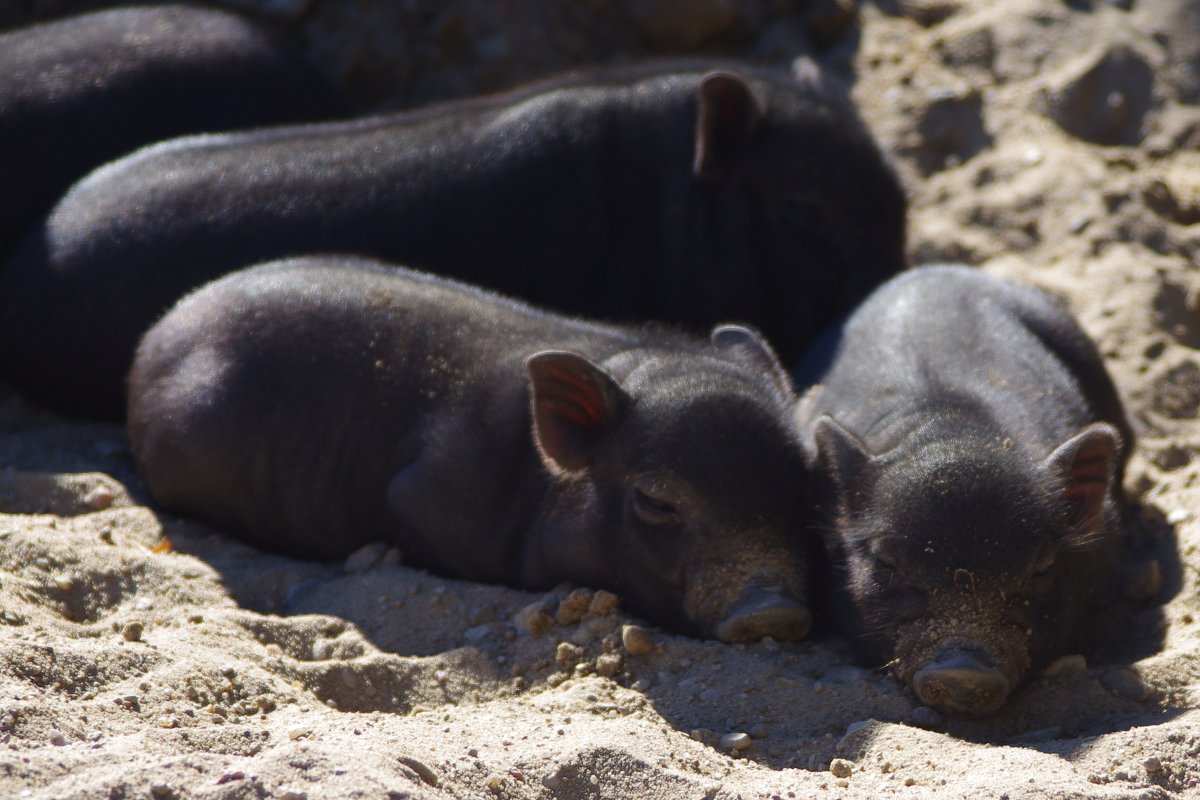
x=681, y=192
x=84, y=90
x=312, y=405
x=969, y=444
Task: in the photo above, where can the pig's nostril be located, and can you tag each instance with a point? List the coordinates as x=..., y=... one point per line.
x=961, y=684
x=762, y=612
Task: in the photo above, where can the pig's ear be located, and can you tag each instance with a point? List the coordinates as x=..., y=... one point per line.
x=749, y=347
x=727, y=115
x=1083, y=467
x=575, y=404
x=841, y=455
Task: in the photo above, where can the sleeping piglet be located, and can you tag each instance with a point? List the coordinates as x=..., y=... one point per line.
x=77, y=92
x=675, y=192
x=315, y=404
x=970, y=446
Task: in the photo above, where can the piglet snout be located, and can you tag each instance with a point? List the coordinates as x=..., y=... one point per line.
x=764, y=611
x=961, y=682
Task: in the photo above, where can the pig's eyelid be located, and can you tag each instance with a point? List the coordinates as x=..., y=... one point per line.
x=881, y=556
x=651, y=508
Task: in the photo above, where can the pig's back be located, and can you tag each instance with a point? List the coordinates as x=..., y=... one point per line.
x=945, y=337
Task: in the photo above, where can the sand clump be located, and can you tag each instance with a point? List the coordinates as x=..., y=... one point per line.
x=143, y=656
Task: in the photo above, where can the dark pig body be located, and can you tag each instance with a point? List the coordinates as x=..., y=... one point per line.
x=668, y=193
x=82, y=91
x=973, y=446
x=316, y=404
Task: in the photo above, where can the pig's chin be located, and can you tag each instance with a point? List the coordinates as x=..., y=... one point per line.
x=963, y=668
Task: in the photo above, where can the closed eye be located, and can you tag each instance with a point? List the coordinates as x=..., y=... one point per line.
x=653, y=509
x=887, y=574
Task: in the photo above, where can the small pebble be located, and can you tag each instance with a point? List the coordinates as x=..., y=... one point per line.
x=57, y=738
x=855, y=727
x=1152, y=764
x=423, y=772
x=609, y=664
x=1178, y=515
x=926, y=717
x=759, y=731
x=574, y=607
x=160, y=789
x=365, y=557
x=297, y=733
x=603, y=603
x=132, y=632
x=735, y=741
x=292, y=794
x=478, y=633
x=567, y=655
x=99, y=499
x=636, y=640
x=1063, y=666
x=533, y=619
x=840, y=768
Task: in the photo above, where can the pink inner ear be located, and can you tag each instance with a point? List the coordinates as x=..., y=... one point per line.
x=1089, y=472
x=574, y=398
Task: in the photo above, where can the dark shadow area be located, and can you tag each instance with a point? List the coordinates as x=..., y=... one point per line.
x=1148, y=573
x=35, y=440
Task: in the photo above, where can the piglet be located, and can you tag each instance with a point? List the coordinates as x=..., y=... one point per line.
x=686, y=193
x=315, y=404
x=970, y=446
x=80, y=91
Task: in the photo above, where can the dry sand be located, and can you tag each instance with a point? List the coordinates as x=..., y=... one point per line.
x=143, y=656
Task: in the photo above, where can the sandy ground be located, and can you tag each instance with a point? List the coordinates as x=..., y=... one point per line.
x=146, y=656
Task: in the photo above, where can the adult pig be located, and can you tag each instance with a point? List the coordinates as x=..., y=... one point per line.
x=972, y=444
x=672, y=193
x=316, y=404
x=79, y=92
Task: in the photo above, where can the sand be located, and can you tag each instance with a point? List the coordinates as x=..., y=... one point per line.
x=145, y=656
